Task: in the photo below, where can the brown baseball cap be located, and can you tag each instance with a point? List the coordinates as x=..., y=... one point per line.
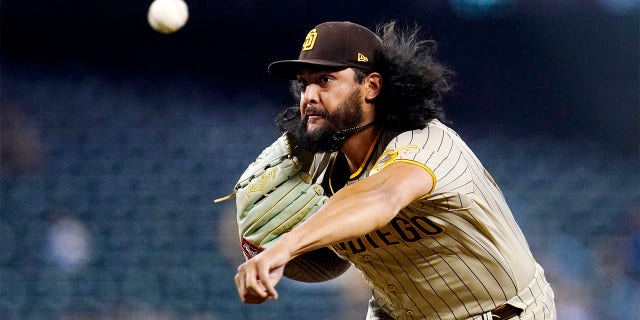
x=332, y=44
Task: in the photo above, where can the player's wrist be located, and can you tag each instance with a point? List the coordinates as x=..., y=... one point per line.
x=289, y=244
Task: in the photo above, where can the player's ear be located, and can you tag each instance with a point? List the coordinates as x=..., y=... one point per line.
x=374, y=84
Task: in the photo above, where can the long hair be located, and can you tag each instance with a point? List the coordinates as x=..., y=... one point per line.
x=413, y=82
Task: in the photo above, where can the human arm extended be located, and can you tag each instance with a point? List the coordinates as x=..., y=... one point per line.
x=355, y=210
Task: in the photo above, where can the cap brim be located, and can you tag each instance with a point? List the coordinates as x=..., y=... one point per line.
x=289, y=69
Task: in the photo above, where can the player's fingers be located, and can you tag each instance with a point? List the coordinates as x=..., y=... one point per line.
x=252, y=283
x=275, y=276
x=268, y=283
x=239, y=279
x=249, y=293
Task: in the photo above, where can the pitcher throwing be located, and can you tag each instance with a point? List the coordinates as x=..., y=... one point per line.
x=409, y=205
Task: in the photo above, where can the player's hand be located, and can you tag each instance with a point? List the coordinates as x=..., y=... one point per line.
x=256, y=279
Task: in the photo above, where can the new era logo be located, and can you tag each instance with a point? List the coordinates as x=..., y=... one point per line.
x=362, y=57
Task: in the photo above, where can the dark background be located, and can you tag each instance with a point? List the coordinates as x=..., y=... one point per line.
x=122, y=136
x=552, y=68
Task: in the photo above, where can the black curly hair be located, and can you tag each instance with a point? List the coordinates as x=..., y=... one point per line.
x=413, y=82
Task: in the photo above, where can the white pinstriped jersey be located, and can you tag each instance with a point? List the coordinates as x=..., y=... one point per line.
x=456, y=252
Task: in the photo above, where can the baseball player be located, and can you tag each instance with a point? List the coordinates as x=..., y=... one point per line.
x=410, y=205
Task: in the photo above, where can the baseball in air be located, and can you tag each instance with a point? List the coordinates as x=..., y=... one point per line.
x=167, y=16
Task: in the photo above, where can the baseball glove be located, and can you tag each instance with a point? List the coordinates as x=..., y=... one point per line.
x=274, y=195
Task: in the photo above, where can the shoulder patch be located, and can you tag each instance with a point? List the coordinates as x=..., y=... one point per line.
x=387, y=157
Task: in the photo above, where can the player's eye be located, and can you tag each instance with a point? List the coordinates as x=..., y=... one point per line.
x=326, y=79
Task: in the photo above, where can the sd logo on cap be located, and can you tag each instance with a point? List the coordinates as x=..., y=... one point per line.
x=332, y=44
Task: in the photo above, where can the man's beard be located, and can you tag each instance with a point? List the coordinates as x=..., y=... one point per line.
x=330, y=137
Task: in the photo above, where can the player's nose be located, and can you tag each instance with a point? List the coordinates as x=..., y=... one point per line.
x=310, y=95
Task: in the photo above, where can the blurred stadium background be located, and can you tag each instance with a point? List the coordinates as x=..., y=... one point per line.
x=115, y=140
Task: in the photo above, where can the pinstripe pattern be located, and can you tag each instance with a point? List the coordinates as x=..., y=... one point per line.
x=537, y=300
x=453, y=254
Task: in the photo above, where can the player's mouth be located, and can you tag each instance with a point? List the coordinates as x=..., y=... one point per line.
x=314, y=115
x=314, y=118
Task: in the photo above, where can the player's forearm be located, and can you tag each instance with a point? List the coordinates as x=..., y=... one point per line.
x=359, y=208
x=345, y=216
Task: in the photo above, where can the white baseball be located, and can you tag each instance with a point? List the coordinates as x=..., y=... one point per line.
x=167, y=16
